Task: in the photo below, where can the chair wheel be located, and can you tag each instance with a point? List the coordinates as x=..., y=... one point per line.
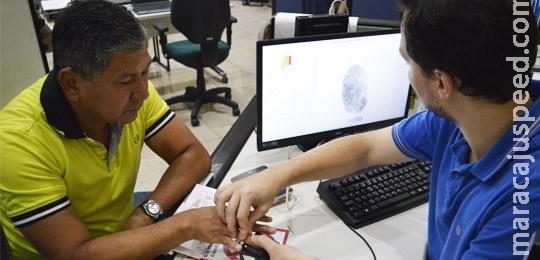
x=236, y=112
x=194, y=122
x=224, y=79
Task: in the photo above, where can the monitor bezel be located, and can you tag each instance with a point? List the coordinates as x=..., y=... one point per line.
x=337, y=21
x=306, y=142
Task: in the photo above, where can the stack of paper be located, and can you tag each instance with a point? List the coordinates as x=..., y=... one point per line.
x=54, y=5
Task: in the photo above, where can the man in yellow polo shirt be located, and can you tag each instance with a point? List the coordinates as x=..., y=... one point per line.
x=71, y=144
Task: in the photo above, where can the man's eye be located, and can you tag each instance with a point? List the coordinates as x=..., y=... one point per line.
x=126, y=80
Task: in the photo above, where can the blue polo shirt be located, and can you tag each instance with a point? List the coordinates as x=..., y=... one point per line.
x=483, y=210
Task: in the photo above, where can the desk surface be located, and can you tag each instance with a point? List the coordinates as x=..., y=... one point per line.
x=317, y=231
x=150, y=15
x=148, y=20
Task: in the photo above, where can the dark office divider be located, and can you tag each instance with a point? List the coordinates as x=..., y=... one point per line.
x=228, y=149
x=371, y=9
x=319, y=6
x=303, y=6
x=289, y=6
x=233, y=142
x=375, y=9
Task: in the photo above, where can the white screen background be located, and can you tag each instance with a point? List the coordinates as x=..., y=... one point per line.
x=305, y=96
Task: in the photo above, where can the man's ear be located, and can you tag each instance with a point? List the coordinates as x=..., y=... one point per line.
x=69, y=81
x=447, y=84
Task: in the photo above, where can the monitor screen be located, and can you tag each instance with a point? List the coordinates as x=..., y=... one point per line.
x=317, y=88
x=307, y=25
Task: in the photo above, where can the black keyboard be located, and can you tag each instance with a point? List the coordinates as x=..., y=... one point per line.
x=376, y=193
x=152, y=7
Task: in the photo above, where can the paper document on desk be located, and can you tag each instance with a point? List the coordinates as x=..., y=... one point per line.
x=203, y=196
x=54, y=5
x=284, y=24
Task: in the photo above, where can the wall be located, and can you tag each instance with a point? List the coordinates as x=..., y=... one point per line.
x=20, y=57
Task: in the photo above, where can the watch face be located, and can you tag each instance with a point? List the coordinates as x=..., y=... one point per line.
x=153, y=208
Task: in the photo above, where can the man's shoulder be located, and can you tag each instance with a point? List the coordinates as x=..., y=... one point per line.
x=24, y=119
x=24, y=110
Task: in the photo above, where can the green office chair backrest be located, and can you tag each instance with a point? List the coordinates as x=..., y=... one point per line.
x=202, y=22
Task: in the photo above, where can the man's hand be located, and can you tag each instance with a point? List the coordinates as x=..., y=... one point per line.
x=205, y=226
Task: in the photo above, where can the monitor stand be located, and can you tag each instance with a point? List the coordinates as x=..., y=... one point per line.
x=306, y=146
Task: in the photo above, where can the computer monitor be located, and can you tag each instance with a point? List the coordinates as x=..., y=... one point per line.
x=364, y=25
x=316, y=88
x=307, y=25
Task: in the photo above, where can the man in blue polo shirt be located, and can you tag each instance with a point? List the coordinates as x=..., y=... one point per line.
x=470, y=63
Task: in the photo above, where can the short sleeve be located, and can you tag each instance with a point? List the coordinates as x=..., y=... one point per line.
x=417, y=136
x=32, y=174
x=155, y=111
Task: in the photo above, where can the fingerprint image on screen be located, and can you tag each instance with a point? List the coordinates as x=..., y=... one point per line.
x=314, y=89
x=354, y=92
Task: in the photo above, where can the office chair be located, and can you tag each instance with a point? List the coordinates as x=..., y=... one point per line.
x=202, y=22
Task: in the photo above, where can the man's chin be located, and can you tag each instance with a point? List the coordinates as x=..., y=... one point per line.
x=128, y=117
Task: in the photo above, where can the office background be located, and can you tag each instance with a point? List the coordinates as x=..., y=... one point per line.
x=21, y=62
x=21, y=65
x=216, y=119
x=20, y=56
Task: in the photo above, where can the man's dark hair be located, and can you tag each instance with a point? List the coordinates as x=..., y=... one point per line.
x=471, y=40
x=89, y=32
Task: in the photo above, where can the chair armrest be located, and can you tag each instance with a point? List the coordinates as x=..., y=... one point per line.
x=229, y=29
x=162, y=29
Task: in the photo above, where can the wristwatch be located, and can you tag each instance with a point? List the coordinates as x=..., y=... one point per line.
x=152, y=209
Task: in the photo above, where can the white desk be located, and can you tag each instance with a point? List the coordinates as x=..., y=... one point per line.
x=148, y=21
x=317, y=231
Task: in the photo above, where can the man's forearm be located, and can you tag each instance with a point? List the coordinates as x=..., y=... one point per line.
x=180, y=178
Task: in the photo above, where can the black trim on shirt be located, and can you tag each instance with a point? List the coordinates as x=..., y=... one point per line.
x=40, y=213
x=159, y=124
x=59, y=113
